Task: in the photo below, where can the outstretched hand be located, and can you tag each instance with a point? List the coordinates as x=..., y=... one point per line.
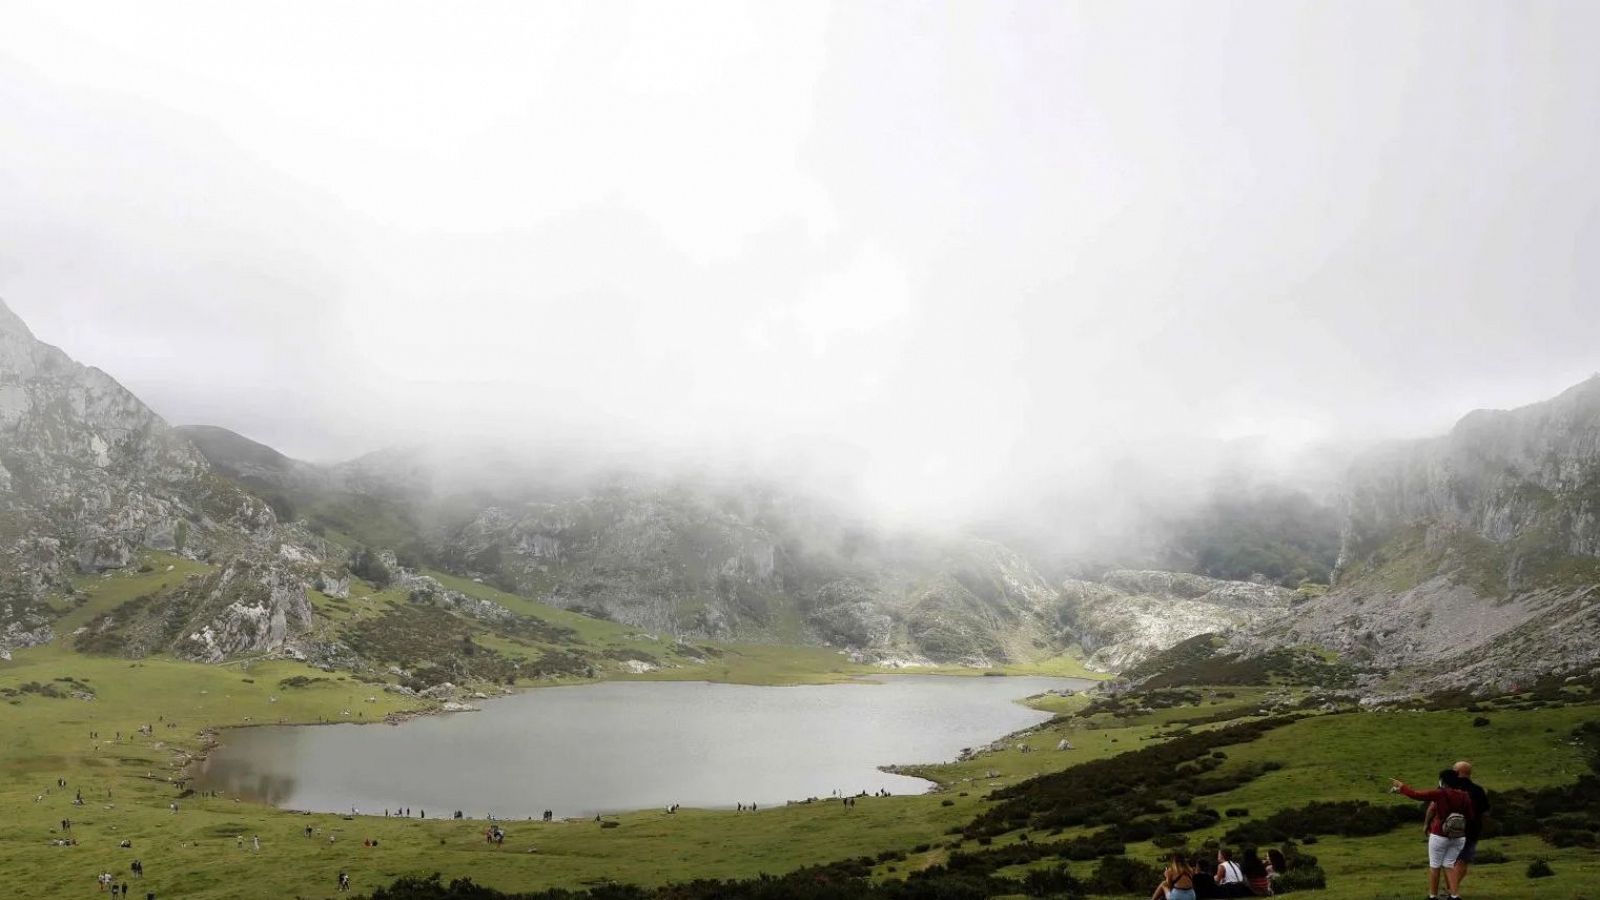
x=1395, y=785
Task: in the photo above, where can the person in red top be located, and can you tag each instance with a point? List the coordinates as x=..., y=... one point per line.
x=1444, y=839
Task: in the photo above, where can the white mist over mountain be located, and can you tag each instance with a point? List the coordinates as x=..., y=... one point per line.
x=959, y=254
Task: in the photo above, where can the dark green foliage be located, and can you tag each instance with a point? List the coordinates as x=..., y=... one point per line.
x=368, y=566
x=1490, y=858
x=1564, y=815
x=1348, y=818
x=438, y=647
x=1123, y=788
x=1282, y=534
x=1540, y=868
x=838, y=881
x=1201, y=660
x=1121, y=875
x=61, y=689
x=1480, y=722
x=1056, y=882
x=299, y=681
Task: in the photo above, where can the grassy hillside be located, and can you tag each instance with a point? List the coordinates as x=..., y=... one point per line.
x=1307, y=753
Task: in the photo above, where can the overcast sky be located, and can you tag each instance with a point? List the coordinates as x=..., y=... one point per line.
x=971, y=244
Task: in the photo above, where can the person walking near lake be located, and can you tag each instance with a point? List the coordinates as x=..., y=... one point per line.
x=1448, y=816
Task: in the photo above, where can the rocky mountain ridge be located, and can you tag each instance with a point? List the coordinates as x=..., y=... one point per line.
x=1471, y=559
x=88, y=474
x=1467, y=559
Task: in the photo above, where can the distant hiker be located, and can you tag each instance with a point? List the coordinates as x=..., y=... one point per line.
x=1448, y=816
x=1177, y=882
x=138, y=869
x=1480, y=812
x=256, y=840
x=344, y=881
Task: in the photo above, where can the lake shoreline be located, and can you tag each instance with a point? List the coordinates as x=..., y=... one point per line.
x=555, y=752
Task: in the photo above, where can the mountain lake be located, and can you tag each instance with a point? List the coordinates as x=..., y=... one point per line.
x=588, y=749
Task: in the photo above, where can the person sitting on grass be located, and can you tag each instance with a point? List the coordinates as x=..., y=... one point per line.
x=1205, y=884
x=1255, y=873
x=1229, y=877
x=1277, y=863
x=1448, y=816
x=1177, y=882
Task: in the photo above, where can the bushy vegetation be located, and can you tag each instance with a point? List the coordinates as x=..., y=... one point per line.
x=1282, y=534
x=1202, y=660
x=1565, y=815
x=368, y=565
x=1120, y=789
x=436, y=645
x=838, y=881
x=1348, y=818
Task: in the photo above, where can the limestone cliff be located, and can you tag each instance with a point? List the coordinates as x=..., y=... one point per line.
x=1474, y=556
x=88, y=475
x=1127, y=616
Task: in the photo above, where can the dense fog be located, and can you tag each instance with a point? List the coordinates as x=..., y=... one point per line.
x=956, y=262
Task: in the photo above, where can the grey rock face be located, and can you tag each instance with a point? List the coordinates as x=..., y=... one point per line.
x=739, y=563
x=1472, y=556
x=91, y=475
x=1129, y=616
x=246, y=608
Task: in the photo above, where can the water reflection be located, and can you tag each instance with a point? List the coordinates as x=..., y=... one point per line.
x=618, y=746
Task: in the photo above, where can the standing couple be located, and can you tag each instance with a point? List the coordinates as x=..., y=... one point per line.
x=1454, y=821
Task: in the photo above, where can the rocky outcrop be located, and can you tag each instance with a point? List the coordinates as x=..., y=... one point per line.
x=1472, y=557
x=91, y=475
x=743, y=563
x=1129, y=616
x=247, y=608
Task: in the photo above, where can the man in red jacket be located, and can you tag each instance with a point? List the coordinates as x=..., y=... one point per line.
x=1447, y=828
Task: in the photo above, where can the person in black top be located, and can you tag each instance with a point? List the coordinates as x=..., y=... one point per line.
x=1205, y=886
x=1480, y=810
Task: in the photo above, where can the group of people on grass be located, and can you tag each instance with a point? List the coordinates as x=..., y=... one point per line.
x=1247, y=876
x=1453, y=823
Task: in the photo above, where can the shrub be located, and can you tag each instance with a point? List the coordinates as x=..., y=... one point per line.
x=1490, y=857
x=1120, y=875
x=1540, y=868
x=1054, y=882
x=1480, y=722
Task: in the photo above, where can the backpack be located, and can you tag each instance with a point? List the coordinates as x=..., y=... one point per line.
x=1454, y=826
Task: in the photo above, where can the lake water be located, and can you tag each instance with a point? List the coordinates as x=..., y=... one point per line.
x=617, y=746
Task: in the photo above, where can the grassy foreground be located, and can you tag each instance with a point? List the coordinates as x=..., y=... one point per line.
x=205, y=848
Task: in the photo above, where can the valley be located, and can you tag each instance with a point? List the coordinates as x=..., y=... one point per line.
x=162, y=586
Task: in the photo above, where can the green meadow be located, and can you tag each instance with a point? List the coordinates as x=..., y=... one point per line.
x=205, y=848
